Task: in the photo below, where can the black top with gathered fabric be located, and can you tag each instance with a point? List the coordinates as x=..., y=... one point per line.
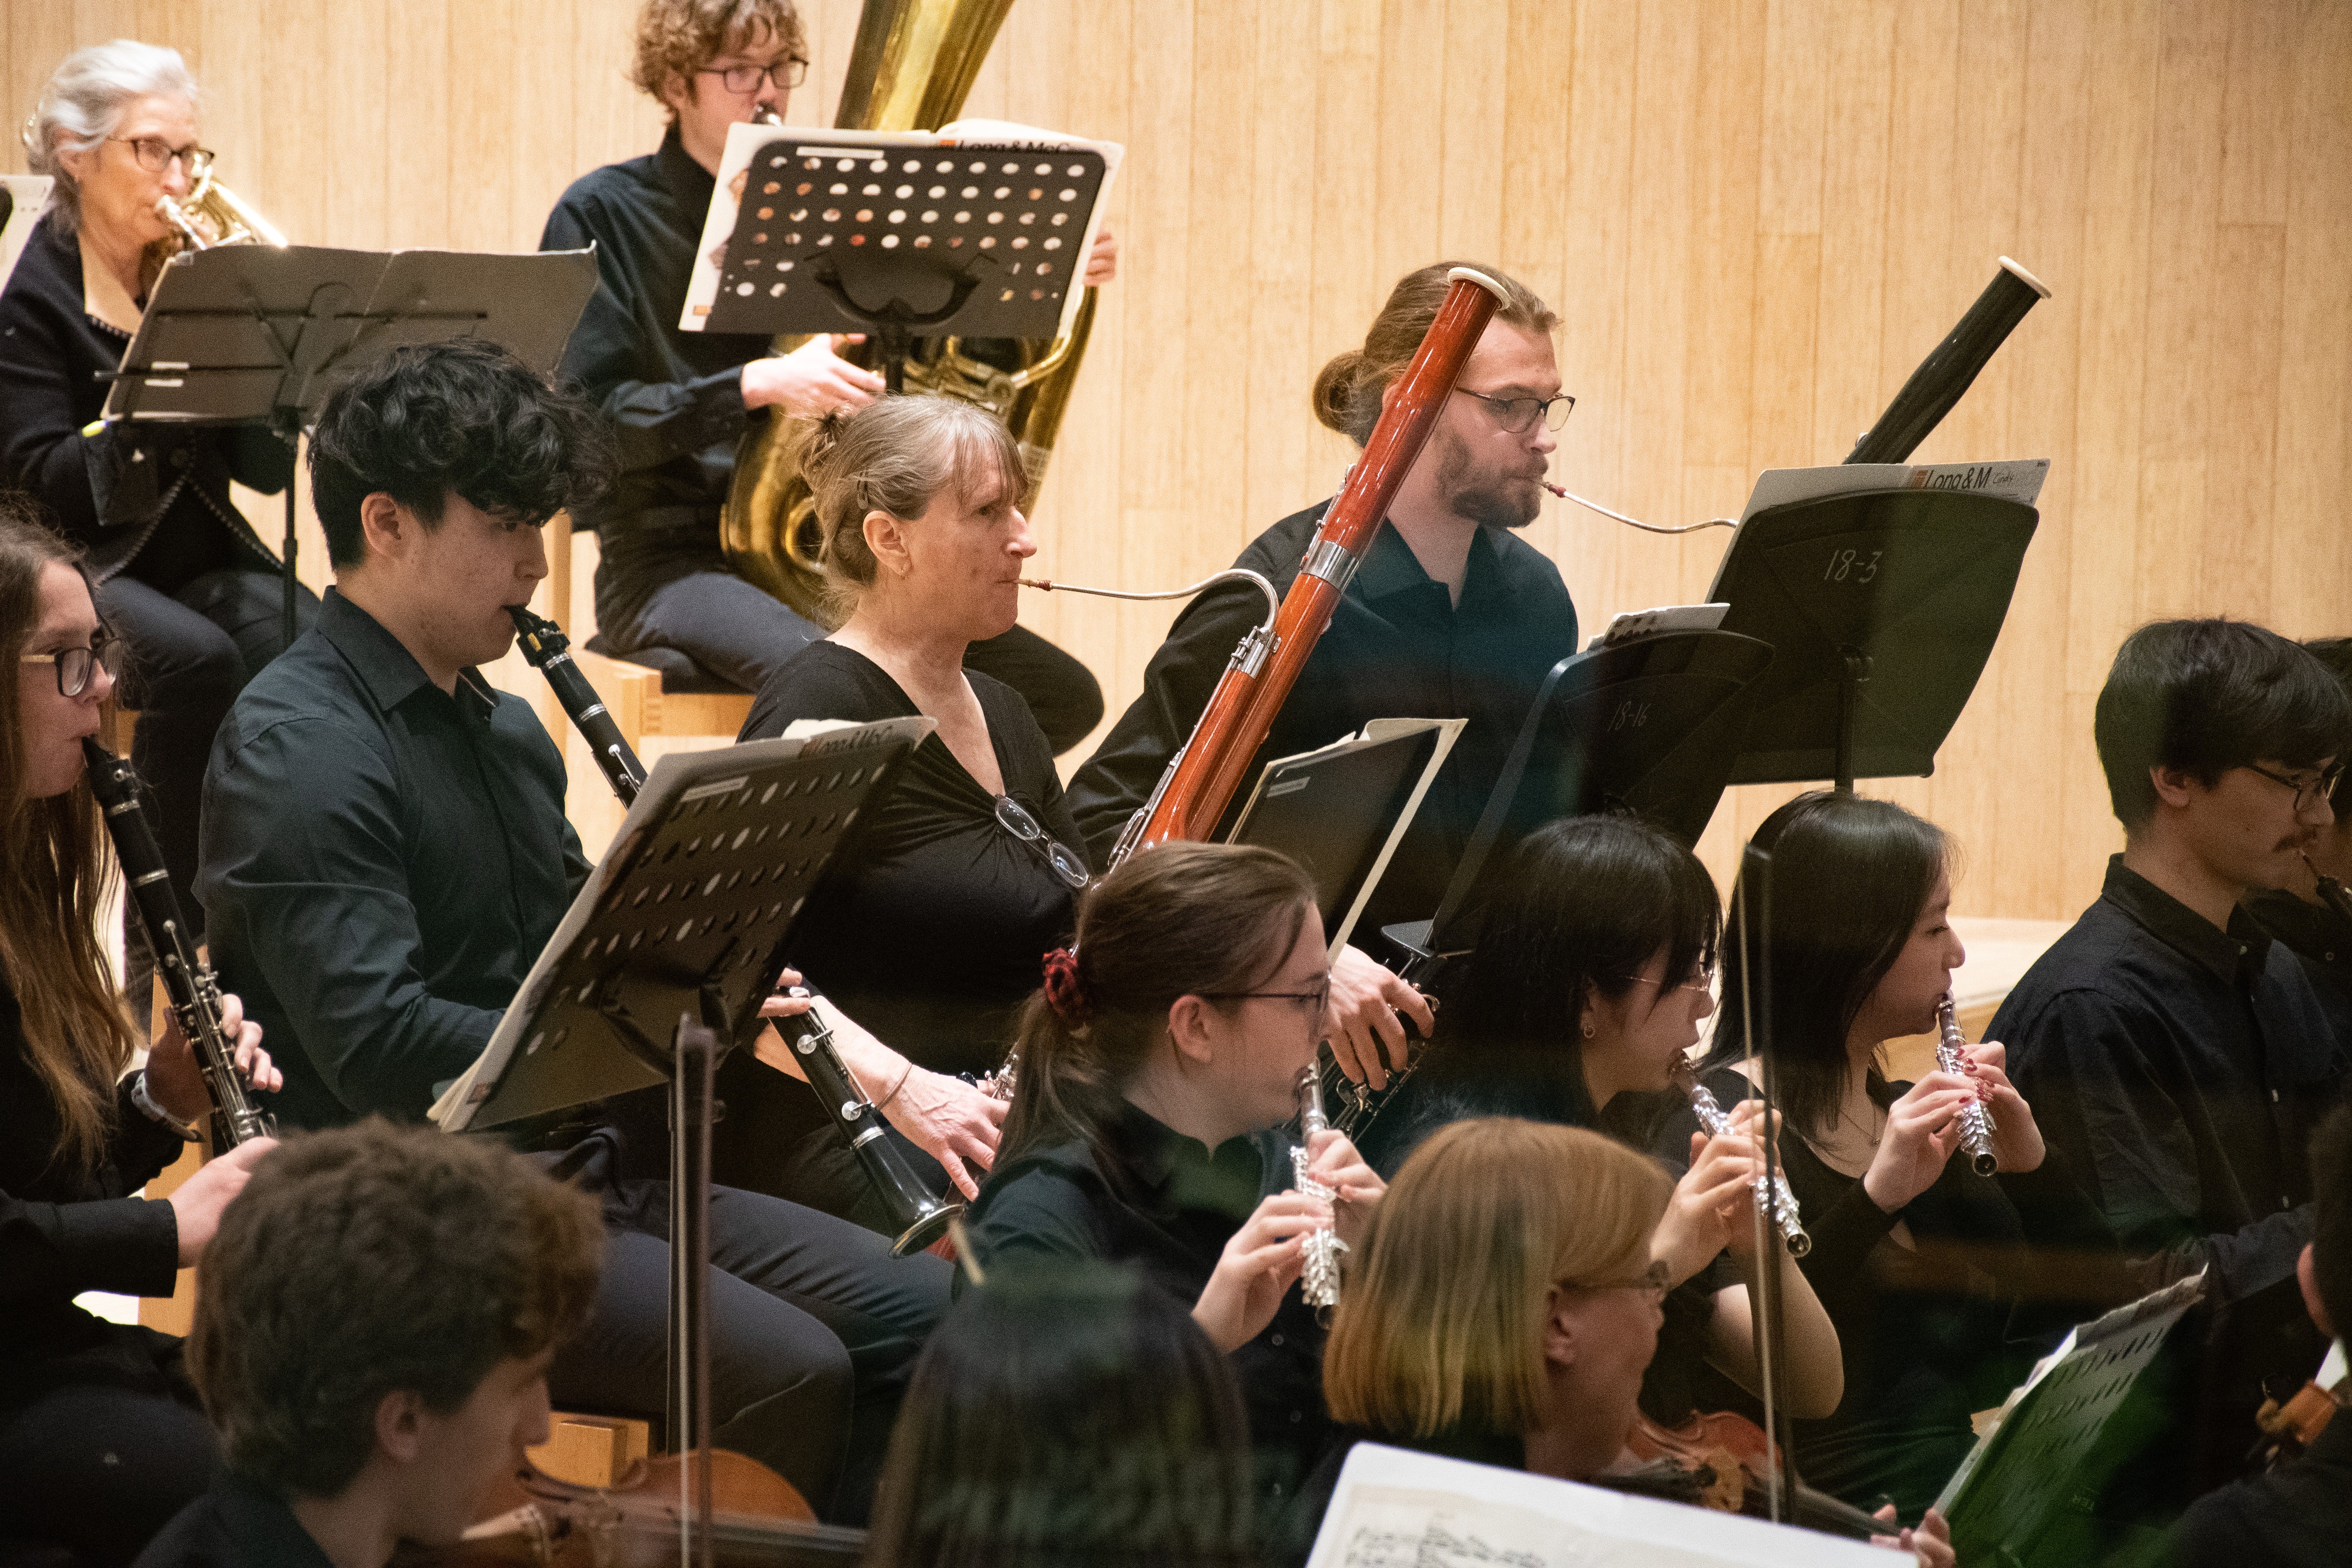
x=931, y=930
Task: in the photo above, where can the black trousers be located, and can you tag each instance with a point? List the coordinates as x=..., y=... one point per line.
x=814, y=1329
x=192, y=648
x=99, y=1448
x=653, y=591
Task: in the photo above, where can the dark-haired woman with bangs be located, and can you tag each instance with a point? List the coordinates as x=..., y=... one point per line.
x=1587, y=984
x=1862, y=949
x=1157, y=1067
x=100, y=1437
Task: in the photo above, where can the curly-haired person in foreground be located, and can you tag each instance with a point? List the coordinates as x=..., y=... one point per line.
x=385, y=854
x=374, y=1323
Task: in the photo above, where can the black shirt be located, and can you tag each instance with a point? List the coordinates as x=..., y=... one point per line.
x=2179, y=1070
x=153, y=498
x=675, y=399
x=235, y=1524
x=1161, y=1203
x=2322, y=938
x=64, y=1231
x=932, y=926
x=2297, y=1515
x=1926, y=1333
x=382, y=861
x=1397, y=648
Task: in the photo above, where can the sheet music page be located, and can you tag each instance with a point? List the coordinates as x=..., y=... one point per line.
x=1394, y=1509
x=2017, y=479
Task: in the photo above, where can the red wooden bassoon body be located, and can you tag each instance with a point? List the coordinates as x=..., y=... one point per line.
x=1241, y=709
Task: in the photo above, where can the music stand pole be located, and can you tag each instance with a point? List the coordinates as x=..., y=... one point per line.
x=691, y=1087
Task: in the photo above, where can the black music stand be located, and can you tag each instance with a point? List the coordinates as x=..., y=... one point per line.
x=257, y=334
x=1644, y=724
x=834, y=235
x=1881, y=608
x=658, y=968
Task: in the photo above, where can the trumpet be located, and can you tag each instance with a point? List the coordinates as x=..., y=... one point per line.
x=1319, y=1285
x=1977, y=1126
x=1775, y=1198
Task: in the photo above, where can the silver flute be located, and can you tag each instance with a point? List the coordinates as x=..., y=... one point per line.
x=1320, y=1282
x=1775, y=1198
x=1976, y=1119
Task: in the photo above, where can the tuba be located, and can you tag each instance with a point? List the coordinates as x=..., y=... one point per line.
x=910, y=68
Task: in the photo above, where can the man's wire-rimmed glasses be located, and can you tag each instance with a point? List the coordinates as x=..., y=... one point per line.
x=1518, y=415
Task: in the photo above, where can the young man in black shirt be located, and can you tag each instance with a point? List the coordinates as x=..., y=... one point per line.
x=678, y=402
x=2317, y=923
x=2299, y=1514
x=1451, y=615
x=385, y=854
x=375, y=1324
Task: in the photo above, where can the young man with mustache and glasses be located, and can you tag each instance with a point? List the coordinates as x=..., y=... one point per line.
x=1451, y=616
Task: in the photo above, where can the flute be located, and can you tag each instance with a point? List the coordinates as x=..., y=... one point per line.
x=196, y=995
x=1775, y=1198
x=1976, y=1122
x=1320, y=1282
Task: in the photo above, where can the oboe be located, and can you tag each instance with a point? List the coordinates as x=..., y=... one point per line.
x=1776, y=1199
x=550, y=652
x=1976, y=1120
x=920, y=1217
x=1320, y=1283
x=196, y=995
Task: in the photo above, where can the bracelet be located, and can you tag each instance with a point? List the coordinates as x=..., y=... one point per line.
x=189, y=1131
x=895, y=1088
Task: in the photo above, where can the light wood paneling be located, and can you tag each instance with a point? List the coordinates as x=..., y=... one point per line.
x=1755, y=218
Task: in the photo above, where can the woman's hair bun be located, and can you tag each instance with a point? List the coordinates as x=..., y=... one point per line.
x=824, y=438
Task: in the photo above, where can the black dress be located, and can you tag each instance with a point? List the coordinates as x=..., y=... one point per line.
x=1145, y=1197
x=1446, y=1088
x=1927, y=1334
x=928, y=932
x=101, y=1438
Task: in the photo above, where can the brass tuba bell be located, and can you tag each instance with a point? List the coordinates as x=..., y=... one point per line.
x=910, y=68
x=210, y=214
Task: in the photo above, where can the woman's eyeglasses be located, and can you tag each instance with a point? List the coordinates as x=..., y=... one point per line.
x=1310, y=1003
x=155, y=154
x=1701, y=979
x=1655, y=1281
x=1021, y=823
x=74, y=664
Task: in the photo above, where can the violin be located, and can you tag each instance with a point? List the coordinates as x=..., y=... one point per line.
x=758, y=1520
x=1722, y=1459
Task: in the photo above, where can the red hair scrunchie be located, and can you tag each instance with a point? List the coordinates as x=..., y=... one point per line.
x=1064, y=992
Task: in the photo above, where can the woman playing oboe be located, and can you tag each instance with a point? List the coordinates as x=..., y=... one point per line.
x=1862, y=950
x=1157, y=1067
x=100, y=1437
x=1588, y=982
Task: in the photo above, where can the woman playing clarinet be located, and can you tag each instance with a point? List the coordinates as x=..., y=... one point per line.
x=100, y=1436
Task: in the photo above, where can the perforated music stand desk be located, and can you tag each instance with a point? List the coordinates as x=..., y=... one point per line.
x=1642, y=724
x=257, y=334
x=1881, y=608
x=857, y=232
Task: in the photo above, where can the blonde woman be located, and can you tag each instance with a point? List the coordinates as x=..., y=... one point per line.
x=930, y=930
x=1505, y=1307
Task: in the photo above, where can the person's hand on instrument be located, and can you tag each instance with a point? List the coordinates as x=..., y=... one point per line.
x=812, y=379
x=1923, y=1128
x=1102, y=260
x=1356, y=1187
x=1366, y=1016
x=196, y=1203
x=176, y=1083
x=2016, y=1140
x=1712, y=1206
x=1260, y=1262
x=1930, y=1540
x=946, y=1118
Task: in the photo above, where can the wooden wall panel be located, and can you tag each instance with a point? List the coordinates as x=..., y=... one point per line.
x=1755, y=218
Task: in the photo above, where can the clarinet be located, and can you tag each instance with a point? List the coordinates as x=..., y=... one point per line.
x=920, y=1217
x=1976, y=1122
x=550, y=652
x=2332, y=893
x=1320, y=1282
x=196, y=995
x=1776, y=1199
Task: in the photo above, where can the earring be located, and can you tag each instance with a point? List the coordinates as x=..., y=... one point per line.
x=1590, y=1031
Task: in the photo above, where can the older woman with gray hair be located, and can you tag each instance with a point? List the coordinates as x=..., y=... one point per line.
x=184, y=580
x=929, y=929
